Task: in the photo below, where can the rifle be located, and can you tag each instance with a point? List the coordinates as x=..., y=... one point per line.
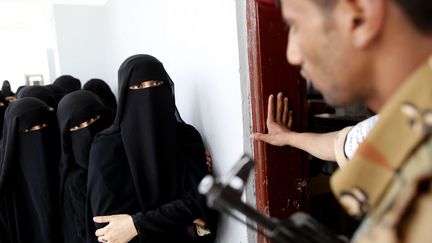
x=224, y=194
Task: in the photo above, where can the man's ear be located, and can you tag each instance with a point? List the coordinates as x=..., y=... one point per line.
x=366, y=20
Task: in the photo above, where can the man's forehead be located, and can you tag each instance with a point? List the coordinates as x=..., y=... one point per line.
x=292, y=8
x=295, y=5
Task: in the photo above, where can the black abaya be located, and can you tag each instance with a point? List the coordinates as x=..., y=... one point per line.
x=29, y=174
x=74, y=109
x=157, y=157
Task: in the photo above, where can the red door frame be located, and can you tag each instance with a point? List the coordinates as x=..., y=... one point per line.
x=280, y=172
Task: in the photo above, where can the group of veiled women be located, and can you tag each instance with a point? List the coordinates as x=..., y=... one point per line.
x=69, y=154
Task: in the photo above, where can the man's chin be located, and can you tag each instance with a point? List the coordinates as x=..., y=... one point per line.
x=304, y=74
x=336, y=103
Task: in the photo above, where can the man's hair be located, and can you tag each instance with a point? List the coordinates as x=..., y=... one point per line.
x=322, y=3
x=419, y=12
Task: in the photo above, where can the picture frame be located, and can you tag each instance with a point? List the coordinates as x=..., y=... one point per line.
x=34, y=79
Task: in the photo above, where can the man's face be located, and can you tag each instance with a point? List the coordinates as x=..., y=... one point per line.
x=320, y=44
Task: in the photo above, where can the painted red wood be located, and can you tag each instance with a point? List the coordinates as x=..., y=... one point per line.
x=279, y=171
x=269, y=2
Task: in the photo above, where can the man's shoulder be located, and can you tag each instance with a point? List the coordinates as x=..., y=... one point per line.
x=406, y=219
x=420, y=160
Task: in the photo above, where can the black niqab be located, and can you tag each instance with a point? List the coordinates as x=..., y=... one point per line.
x=39, y=92
x=102, y=89
x=160, y=156
x=19, y=89
x=68, y=83
x=57, y=91
x=146, y=123
x=73, y=109
x=29, y=174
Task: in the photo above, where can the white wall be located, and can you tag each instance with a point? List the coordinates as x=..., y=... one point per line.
x=81, y=41
x=197, y=42
x=24, y=41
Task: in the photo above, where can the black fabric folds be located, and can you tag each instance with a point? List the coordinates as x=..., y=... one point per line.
x=74, y=109
x=57, y=91
x=19, y=89
x=101, y=89
x=158, y=158
x=68, y=83
x=29, y=175
x=3, y=105
x=40, y=92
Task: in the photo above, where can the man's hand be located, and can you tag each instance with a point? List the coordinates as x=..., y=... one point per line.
x=278, y=123
x=120, y=228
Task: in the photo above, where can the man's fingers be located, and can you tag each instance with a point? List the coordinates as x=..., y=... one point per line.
x=100, y=239
x=256, y=136
x=290, y=119
x=279, y=107
x=100, y=232
x=270, y=109
x=102, y=219
x=285, y=111
x=260, y=137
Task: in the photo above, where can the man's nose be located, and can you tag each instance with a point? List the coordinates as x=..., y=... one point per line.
x=294, y=55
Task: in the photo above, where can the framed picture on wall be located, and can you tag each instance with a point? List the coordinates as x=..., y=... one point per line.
x=34, y=79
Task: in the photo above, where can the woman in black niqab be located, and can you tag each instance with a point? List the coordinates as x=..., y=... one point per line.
x=29, y=174
x=81, y=115
x=102, y=89
x=158, y=158
x=68, y=83
x=6, y=89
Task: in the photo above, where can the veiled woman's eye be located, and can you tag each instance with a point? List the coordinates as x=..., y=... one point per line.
x=147, y=84
x=36, y=128
x=134, y=87
x=85, y=124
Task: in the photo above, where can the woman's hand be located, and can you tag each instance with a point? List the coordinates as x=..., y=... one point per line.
x=200, y=222
x=120, y=228
x=200, y=226
x=279, y=124
x=209, y=161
